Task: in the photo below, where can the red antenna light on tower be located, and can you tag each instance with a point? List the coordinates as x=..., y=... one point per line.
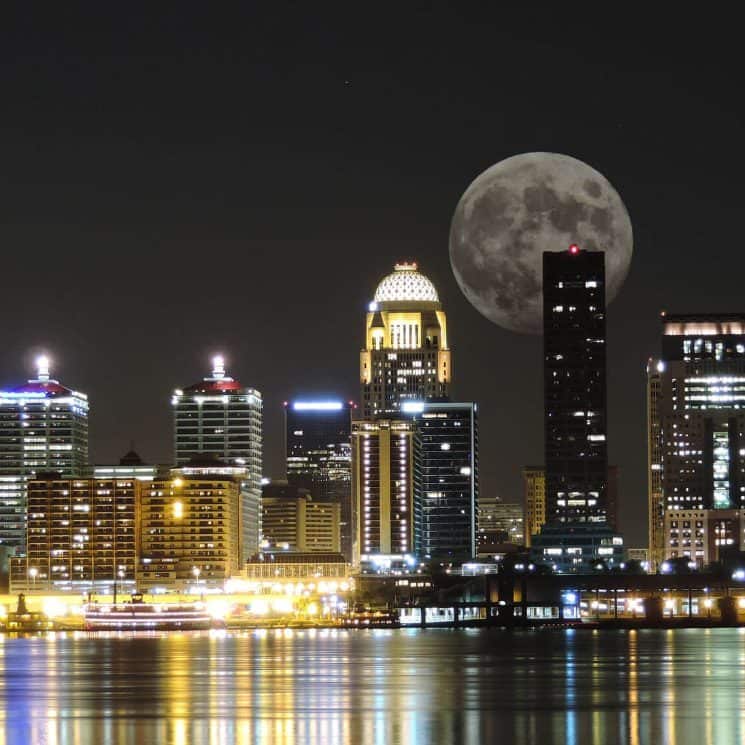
x=574, y=249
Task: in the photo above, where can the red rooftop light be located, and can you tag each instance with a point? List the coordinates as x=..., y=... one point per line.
x=574, y=249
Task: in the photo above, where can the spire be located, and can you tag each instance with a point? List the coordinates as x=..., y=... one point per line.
x=42, y=368
x=218, y=367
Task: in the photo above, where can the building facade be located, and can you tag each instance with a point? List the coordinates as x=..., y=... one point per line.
x=43, y=427
x=81, y=535
x=502, y=522
x=696, y=426
x=190, y=532
x=383, y=487
x=406, y=354
x=534, y=481
x=318, y=453
x=575, y=386
x=301, y=523
x=703, y=536
x=446, y=478
x=219, y=417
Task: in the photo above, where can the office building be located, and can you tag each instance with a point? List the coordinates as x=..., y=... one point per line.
x=318, y=453
x=301, y=523
x=502, y=522
x=130, y=466
x=383, y=487
x=577, y=547
x=190, y=532
x=219, y=417
x=696, y=394
x=43, y=427
x=81, y=535
x=703, y=536
x=575, y=386
x=406, y=354
x=446, y=482
x=534, y=481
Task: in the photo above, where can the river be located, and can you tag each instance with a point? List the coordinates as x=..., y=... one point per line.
x=375, y=687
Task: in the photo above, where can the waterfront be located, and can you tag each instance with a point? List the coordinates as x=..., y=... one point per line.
x=378, y=686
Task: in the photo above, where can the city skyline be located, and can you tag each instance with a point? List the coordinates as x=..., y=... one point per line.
x=128, y=200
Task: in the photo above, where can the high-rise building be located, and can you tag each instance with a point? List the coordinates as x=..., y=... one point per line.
x=446, y=482
x=81, y=535
x=575, y=386
x=383, y=487
x=43, y=427
x=656, y=502
x=534, y=479
x=406, y=354
x=318, y=452
x=190, y=532
x=302, y=523
x=219, y=417
x=696, y=432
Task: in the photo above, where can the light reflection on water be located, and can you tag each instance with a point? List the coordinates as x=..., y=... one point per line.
x=375, y=687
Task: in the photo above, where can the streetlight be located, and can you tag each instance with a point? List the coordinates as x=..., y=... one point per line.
x=708, y=603
x=195, y=572
x=119, y=574
x=33, y=572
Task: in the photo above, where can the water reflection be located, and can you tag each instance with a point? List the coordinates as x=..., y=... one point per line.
x=374, y=687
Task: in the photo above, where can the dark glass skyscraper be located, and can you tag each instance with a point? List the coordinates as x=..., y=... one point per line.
x=319, y=455
x=575, y=386
x=446, y=485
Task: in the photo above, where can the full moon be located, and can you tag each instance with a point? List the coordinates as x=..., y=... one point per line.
x=521, y=207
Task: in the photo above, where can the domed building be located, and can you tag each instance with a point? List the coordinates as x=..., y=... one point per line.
x=406, y=354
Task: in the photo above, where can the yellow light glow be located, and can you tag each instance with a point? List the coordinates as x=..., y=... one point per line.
x=218, y=609
x=282, y=605
x=178, y=510
x=741, y=602
x=178, y=483
x=259, y=607
x=708, y=602
x=54, y=608
x=312, y=609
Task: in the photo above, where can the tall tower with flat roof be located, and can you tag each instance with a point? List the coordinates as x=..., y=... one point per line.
x=43, y=427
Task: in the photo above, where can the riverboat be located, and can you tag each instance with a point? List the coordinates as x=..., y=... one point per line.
x=135, y=615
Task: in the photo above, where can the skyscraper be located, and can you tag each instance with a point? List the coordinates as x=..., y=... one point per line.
x=219, y=417
x=446, y=483
x=383, y=487
x=318, y=452
x=696, y=419
x=43, y=427
x=406, y=354
x=575, y=386
x=534, y=479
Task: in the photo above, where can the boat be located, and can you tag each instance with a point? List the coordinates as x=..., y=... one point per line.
x=136, y=615
x=24, y=621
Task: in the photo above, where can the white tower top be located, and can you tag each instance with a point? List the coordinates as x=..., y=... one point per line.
x=42, y=367
x=218, y=367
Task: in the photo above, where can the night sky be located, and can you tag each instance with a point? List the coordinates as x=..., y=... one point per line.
x=179, y=184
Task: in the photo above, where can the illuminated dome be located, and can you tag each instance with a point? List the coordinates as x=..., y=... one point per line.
x=406, y=283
